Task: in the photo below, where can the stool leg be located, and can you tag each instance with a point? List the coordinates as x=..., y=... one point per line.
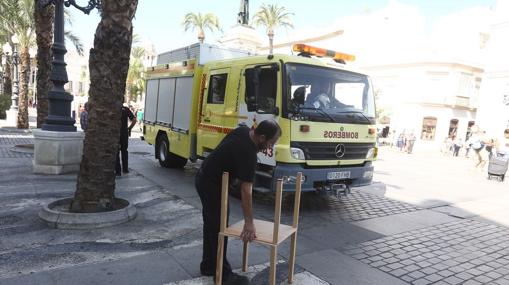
x=273, y=263
x=245, y=255
x=291, y=262
x=219, y=260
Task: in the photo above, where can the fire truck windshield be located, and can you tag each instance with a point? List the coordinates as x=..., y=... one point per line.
x=328, y=94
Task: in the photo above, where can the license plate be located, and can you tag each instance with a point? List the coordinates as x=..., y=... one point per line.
x=338, y=175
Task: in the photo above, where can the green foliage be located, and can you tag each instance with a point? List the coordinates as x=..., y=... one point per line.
x=201, y=22
x=272, y=17
x=5, y=104
x=136, y=75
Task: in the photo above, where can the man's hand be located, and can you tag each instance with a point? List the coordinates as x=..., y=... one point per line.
x=249, y=232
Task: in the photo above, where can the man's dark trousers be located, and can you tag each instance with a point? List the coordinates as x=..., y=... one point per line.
x=210, y=196
x=124, y=142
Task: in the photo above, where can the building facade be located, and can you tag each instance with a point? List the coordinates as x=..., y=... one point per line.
x=493, y=114
x=433, y=100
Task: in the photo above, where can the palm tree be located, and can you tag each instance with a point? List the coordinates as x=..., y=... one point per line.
x=109, y=64
x=136, y=74
x=44, y=18
x=272, y=17
x=16, y=19
x=201, y=22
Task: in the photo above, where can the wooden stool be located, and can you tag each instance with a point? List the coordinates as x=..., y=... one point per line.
x=268, y=233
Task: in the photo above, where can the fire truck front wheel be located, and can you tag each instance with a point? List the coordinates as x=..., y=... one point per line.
x=165, y=157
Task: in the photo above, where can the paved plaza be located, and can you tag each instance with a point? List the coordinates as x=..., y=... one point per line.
x=426, y=219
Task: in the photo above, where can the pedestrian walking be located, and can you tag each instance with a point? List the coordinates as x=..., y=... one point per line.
x=503, y=144
x=468, y=145
x=457, y=144
x=478, y=142
x=84, y=117
x=410, y=142
x=139, y=117
x=237, y=155
x=125, y=133
x=401, y=142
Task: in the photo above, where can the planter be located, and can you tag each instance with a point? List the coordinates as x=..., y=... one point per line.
x=56, y=214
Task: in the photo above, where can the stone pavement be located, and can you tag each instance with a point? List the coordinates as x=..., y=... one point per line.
x=365, y=238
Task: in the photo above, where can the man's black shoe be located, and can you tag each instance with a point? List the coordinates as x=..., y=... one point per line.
x=118, y=173
x=235, y=279
x=125, y=171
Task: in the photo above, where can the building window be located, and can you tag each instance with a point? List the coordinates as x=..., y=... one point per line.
x=217, y=88
x=69, y=87
x=466, y=85
x=453, y=128
x=429, y=125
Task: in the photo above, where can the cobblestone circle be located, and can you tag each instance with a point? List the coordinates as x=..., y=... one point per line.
x=462, y=252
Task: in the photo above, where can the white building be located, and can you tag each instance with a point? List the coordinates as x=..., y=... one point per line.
x=493, y=114
x=78, y=79
x=432, y=99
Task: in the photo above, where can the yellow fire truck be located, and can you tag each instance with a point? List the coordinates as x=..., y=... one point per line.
x=198, y=94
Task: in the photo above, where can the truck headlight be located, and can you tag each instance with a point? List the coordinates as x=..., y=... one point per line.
x=367, y=174
x=297, y=153
x=371, y=153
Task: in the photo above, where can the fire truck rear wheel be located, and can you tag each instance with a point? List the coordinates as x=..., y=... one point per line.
x=166, y=158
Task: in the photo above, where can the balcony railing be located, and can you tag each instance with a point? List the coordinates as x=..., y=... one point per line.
x=459, y=101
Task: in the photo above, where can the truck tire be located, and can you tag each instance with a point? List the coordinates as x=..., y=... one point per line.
x=166, y=158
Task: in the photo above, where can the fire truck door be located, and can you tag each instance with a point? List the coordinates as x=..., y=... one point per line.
x=211, y=129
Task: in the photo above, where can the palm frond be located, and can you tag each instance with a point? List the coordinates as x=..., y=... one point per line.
x=75, y=40
x=201, y=22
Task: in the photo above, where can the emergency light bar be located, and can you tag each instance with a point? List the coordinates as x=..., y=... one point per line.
x=320, y=52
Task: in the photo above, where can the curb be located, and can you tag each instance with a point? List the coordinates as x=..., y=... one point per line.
x=64, y=220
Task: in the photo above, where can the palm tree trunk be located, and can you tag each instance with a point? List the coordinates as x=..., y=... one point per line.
x=44, y=37
x=23, y=89
x=201, y=36
x=271, y=40
x=109, y=63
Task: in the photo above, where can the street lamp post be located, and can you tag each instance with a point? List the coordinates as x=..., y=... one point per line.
x=58, y=147
x=15, y=80
x=59, y=101
x=2, y=74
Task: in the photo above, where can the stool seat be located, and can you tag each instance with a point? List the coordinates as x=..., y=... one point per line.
x=264, y=231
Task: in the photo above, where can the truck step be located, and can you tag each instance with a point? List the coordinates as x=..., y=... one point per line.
x=260, y=189
x=263, y=174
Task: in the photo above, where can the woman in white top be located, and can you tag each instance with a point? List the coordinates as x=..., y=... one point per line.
x=503, y=144
x=478, y=142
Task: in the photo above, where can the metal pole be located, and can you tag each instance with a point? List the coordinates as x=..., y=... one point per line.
x=15, y=81
x=1, y=74
x=59, y=101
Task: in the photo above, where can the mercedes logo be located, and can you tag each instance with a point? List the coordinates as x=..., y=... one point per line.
x=340, y=150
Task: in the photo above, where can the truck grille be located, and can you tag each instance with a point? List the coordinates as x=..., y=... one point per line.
x=327, y=151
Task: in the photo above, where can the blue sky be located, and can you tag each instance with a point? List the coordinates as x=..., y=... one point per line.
x=160, y=20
